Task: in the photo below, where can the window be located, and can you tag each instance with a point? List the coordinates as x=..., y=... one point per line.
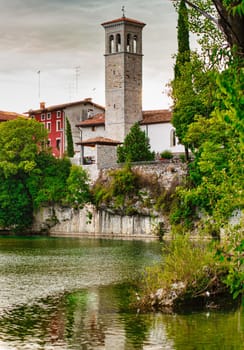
x=48, y=126
x=172, y=138
x=111, y=44
x=93, y=128
x=58, y=114
x=58, y=144
x=49, y=115
x=43, y=116
x=118, y=43
x=128, y=43
x=58, y=125
x=135, y=44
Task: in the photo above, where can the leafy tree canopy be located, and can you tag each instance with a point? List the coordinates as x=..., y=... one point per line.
x=20, y=141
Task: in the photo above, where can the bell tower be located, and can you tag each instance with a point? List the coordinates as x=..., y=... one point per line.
x=123, y=75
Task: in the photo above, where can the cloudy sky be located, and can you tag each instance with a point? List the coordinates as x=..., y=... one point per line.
x=64, y=40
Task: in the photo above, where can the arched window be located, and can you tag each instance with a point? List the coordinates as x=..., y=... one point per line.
x=118, y=43
x=135, y=43
x=128, y=42
x=172, y=138
x=111, y=44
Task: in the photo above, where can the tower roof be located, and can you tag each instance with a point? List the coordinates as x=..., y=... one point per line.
x=123, y=20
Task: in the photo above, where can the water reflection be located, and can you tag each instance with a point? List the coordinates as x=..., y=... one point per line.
x=74, y=294
x=97, y=318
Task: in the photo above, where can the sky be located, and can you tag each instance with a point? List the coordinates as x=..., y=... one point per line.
x=53, y=50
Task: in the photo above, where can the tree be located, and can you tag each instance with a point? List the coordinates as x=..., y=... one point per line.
x=16, y=209
x=136, y=147
x=183, y=54
x=226, y=15
x=78, y=191
x=48, y=182
x=20, y=141
x=70, y=145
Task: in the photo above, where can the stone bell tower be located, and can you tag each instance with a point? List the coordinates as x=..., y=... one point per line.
x=123, y=75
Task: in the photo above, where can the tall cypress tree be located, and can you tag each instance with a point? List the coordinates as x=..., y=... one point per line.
x=70, y=145
x=183, y=54
x=183, y=114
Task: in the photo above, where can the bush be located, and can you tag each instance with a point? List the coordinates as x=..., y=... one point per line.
x=166, y=154
x=192, y=263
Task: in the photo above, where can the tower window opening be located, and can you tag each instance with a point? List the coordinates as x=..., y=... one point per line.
x=118, y=43
x=135, y=44
x=128, y=42
x=111, y=44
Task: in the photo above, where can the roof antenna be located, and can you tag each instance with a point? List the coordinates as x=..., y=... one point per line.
x=123, y=11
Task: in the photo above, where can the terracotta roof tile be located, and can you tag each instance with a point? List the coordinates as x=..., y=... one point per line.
x=155, y=117
x=124, y=19
x=6, y=116
x=98, y=119
x=66, y=105
x=99, y=141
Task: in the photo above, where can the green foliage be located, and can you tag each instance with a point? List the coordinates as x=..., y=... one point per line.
x=166, y=154
x=136, y=147
x=78, y=192
x=184, y=261
x=123, y=186
x=20, y=141
x=15, y=204
x=183, y=54
x=48, y=184
x=231, y=252
x=70, y=145
x=31, y=177
x=216, y=177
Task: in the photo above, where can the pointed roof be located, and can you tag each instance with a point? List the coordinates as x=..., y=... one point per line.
x=123, y=20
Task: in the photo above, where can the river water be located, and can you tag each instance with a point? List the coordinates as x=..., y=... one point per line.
x=71, y=293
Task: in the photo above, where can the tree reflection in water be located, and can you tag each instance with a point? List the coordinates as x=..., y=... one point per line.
x=98, y=318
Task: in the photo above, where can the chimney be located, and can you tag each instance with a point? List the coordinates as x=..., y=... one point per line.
x=42, y=105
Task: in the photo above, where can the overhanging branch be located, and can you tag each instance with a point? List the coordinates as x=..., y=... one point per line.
x=204, y=13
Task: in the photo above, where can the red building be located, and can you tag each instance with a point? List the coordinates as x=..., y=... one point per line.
x=54, y=120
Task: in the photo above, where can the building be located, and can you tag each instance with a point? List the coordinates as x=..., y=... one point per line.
x=97, y=131
x=123, y=93
x=54, y=120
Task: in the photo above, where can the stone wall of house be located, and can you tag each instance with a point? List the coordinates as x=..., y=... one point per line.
x=106, y=156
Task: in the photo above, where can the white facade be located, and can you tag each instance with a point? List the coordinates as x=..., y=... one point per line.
x=162, y=137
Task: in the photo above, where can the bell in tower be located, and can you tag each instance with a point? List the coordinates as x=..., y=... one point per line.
x=123, y=75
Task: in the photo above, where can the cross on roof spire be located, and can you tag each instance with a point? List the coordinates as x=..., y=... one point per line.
x=123, y=11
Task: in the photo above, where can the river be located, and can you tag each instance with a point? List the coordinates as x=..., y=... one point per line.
x=73, y=293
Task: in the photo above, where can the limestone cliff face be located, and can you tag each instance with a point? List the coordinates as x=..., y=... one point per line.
x=139, y=217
